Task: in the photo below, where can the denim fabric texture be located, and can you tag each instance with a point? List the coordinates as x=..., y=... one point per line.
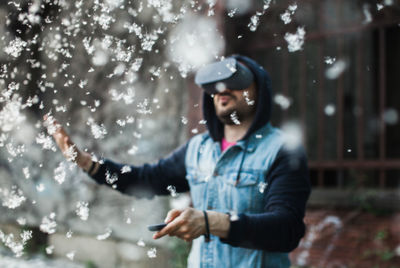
x=212, y=176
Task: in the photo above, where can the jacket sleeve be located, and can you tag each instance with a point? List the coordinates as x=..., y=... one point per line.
x=146, y=180
x=280, y=227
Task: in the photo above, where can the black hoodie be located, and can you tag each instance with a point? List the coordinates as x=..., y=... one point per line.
x=281, y=226
x=263, y=110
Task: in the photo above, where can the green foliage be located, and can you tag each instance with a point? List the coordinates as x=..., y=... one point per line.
x=90, y=264
x=180, y=251
x=381, y=235
x=382, y=254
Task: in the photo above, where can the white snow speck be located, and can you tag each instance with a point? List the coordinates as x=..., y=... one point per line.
x=82, y=210
x=235, y=118
x=12, y=199
x=283, y=101
x=172, y=190
x=336, y=69
x=105, y=235
x=295, y=41
x=330, y=109
x=48, y=224
x=152, y=253
x=15, y=47
x=261, y=187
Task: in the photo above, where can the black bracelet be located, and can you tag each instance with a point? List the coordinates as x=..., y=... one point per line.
x=91, y=168
x=207, y=234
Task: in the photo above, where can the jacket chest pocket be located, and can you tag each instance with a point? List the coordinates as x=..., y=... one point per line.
x=244, y=195
x=198, y=188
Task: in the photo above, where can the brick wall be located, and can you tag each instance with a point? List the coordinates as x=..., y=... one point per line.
x=349, y=238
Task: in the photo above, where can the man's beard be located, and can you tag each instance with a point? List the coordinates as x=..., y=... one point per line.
x=230, y=117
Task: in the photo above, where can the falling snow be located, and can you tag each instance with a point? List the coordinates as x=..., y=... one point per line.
x=255, y=19
x=141, y=243
x=104, y=236
x=126, y=169
x=172, y=190
x=330, y=109
x=336, y=69
x=110, y=179
x=10, y=114
x=82, y=210
x=246, y=97
x=17, y=247
x=262, y=186
x=15, y=47
x=234, y=118
x=295, y=41
x=60, y=173
x=282, y=101
x=12, y=198
x=152, y=253
x=48, y=224
x=287, y=16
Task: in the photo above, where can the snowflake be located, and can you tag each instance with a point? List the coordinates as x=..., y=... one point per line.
x=12, y=199
x=262, y=186
x=71, y=153
x=232, y=12
x=234, y=118
x=49, y=249
x=141, y=243
x=110, y=179
x=152, y=253
x=98, y=131
x=143, y=107
x=48, y=224
x=71, y=255
x=126, y=169
x=330, y=60
x=105, y=235
x=69, y=234
x=246, y=97
x=60, y=173
x=336, y=69
x=82, y=210
x=172, y=190
x=330, y=109
x=10, y=115
x=282, y=101
x=286, y=17
x=295, y=41
x=148, y=41
x=15, y=47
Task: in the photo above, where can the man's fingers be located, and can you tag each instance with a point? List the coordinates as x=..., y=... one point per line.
x=171, y=228
x=172, y=214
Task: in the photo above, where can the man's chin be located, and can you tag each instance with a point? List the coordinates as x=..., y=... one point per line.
x=225, y=117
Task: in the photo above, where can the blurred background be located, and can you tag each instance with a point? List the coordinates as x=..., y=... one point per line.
x=119, y=76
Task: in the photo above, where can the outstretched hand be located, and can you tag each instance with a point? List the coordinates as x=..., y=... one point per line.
x=65, y=144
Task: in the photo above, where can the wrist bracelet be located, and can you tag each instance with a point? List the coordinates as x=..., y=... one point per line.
x=207, y=234
x=92, y=166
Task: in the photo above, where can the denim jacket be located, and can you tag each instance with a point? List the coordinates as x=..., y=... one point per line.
x=263, y=185
x=212, y=176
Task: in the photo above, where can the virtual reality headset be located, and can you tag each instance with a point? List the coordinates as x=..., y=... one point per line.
x=226, y=74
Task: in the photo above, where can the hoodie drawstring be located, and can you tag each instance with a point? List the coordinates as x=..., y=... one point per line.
x=241, y=164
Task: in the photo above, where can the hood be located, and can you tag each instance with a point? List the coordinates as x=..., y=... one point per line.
x=264, y=101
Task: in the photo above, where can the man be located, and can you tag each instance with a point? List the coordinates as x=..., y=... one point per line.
x=248, y=190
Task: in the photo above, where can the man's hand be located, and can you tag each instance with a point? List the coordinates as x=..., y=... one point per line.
x=189, y=223
x=65, y=144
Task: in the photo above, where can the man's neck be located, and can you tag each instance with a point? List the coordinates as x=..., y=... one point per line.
x=233, y=133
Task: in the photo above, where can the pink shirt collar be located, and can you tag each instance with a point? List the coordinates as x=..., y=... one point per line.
x=225, y=144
